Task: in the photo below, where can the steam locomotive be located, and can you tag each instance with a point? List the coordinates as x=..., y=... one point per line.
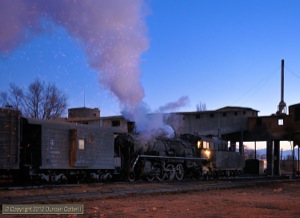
x=54, y=152
x=163, y=158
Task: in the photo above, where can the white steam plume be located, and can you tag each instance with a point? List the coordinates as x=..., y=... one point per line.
x=113, y=35
x=112, y=32
x=153, y=124
x=172, y=106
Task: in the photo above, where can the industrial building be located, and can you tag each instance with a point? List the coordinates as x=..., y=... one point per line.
x=234, y=124
x=215, y=122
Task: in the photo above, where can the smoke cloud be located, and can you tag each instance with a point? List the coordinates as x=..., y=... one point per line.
x=153, y=124
x=172, y=106
x=112, y=33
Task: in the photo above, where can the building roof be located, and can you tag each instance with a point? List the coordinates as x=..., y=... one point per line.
x=234, y=108
x=85, y=108
x=113, y=117
x=223, y=109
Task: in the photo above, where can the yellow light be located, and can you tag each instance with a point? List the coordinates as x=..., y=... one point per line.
x=207, y=153
x=199, y=144
x=206, y=144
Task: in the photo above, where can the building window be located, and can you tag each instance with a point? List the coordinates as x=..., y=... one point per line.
x=81, y=144
x=206, y=145
x=280, y=122
x=224, y=114
x=235, y=113
x=211, y=115
x=130, y=127
x=258, y=121
x=197, y=116
x=244, y=112
x=115, y=123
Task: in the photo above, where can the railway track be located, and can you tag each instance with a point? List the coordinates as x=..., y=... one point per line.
x=76, y=193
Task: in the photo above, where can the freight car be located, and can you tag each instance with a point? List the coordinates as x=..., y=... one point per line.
x=52, y=151
x=34, y=149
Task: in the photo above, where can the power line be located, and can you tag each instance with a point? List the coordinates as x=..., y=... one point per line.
x=293, y=73
x=254, y=89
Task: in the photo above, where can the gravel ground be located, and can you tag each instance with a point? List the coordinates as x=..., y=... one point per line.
x=274, y=200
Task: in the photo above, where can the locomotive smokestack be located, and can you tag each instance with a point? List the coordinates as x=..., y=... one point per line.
x=282, y=105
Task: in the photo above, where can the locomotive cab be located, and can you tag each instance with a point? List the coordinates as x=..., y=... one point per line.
x=222, y=160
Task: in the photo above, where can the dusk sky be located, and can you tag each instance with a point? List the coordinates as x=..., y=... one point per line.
x=221, y=53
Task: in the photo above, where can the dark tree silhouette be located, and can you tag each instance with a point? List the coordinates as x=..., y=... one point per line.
x=201, y=107
x=13, y=98
x=40, y=100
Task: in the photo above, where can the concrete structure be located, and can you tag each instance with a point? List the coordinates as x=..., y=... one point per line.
x=276, y=128
x=91, y=116
x=273, y=129
x=222, y=121
x=84, y=115
x=118, y=123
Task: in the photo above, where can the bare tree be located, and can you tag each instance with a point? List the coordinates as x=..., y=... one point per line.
x=55, y=102
x=201, y=107
x=14, y=98
x=41, y=100
x=34, y=99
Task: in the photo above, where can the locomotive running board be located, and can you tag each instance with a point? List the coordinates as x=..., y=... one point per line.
x=166, y=158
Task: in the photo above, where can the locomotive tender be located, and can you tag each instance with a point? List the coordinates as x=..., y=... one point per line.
x=56, y=151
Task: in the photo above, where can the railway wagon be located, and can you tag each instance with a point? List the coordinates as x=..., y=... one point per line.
x=54, y=151
x=9, y=140
x=59, y=151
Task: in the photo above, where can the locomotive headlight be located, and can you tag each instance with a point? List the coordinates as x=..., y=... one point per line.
x=207, y=153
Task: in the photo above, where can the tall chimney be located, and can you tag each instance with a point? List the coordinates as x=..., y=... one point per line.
x=282, y=80
x=282, y=105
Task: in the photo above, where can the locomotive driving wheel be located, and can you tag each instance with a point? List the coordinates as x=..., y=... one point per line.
x=160, y=174
x=155, y=173
x=179, y=172
x=152, y=175
x=170, y=172
x=131, y=176
x=151, y=178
